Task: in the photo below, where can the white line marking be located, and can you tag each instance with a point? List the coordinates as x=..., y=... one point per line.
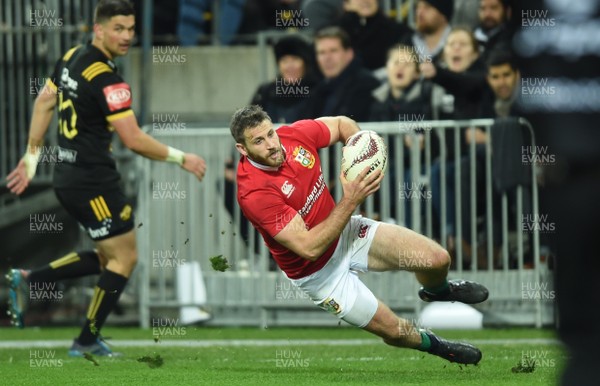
x=254, y=342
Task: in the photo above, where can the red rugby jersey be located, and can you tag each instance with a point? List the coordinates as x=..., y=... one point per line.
x=271, y=198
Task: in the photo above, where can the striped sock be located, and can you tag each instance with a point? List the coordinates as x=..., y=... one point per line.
x=106, y=294
x=75, y=264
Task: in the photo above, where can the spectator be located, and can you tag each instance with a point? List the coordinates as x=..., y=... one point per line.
x=493, y=32
x=432, y=27
x=371, y=32
x=463, y=75
x=260, y=15
x=465, y=13
x=404, y=97
x=503, y=78
x=284, y=98
x=464, y=78
x=322, y=13
x=191, y=27
x=346, y=87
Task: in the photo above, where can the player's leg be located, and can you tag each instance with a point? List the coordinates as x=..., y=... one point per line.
x=121, y=254
x=398, y=248
x=73, y=265
x=108, y=219
x=356, y=304
x=21, y=281
x=400, y=332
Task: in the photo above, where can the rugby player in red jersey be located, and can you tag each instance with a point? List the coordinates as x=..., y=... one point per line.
x=321, y=246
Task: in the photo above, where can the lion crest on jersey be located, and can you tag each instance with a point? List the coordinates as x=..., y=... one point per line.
x=304, y=156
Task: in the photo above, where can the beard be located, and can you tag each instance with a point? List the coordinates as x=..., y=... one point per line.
x=425, y=29
x=268, y=160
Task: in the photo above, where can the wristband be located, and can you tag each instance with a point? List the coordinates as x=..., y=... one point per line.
x=31, y=159
x=175, y=156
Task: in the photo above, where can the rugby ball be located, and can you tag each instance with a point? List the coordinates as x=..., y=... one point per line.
x=365, y=148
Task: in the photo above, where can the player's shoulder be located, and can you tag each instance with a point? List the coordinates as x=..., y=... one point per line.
x=92, y=65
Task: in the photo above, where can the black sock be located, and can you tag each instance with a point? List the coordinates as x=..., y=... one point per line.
x=106, y=294
x=75, y=264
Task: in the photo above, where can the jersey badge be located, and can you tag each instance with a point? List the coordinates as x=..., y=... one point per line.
x=304, y=157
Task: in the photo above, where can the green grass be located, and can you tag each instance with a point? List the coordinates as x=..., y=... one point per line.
x=371, y=363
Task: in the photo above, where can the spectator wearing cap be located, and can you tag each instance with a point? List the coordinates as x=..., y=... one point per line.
x=346, y=87
x=432, y=27
x=285, y=97
x=493, y=33
x=372, y=32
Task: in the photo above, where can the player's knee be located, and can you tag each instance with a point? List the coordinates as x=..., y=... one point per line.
x=441, y=259
x=130, y=258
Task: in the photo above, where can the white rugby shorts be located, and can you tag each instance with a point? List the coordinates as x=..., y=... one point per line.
x=336, y=287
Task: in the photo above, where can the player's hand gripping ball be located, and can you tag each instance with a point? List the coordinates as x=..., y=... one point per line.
x=365, y=148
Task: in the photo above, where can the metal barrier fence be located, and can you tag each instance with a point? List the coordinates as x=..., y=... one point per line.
x=33, y=36
x=181, y=220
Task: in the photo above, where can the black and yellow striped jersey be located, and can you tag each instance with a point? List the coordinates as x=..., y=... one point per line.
x=90, y=96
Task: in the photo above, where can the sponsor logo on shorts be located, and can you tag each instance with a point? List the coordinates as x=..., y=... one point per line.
x=100, y=232
x=304, y=157
x=287, y=188
x=117, y=96
x=331, y=306
x=362, y=232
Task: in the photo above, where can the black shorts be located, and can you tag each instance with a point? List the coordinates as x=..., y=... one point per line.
x=102, y=213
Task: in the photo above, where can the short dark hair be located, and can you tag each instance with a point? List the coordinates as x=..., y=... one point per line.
x=335, y=33
x=106, y=9
x=500, y=57
x=246, y=118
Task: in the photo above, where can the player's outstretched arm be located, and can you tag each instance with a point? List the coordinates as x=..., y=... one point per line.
x=43, y=109
x=138, y=141
x=311, y=244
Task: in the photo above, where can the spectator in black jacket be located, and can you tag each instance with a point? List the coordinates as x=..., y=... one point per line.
x=463, y=77
x=405, y=97
x=503, y=77
x=371, y=32
x=462, y=73
x=346, y=87
x=285, y=98
x=493, y=33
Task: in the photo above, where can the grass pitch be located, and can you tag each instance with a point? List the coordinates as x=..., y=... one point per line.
x=279, y=356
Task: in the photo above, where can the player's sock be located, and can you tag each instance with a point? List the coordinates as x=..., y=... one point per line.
x=442, y=289
x=106, y=294
x=75, y=264
x=426, y=342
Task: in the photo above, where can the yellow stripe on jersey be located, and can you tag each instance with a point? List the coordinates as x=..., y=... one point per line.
x=95, y=69
x=68, y=259
x=95, y=209
x=70, y=53
x=51, y=84
x=122, y=114
x=104, y=206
